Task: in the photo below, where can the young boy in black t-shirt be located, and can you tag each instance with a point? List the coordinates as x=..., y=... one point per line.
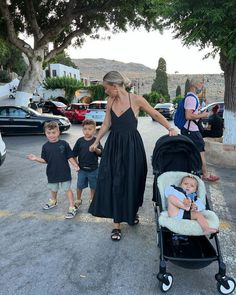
x=56, y=153
x=88, y=161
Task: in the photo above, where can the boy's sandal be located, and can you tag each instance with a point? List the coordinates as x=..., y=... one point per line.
x=49, y=205
x=211, y=178
x=116, y=234
x=136, y=220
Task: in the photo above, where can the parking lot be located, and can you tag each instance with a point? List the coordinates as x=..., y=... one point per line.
x=41, y=253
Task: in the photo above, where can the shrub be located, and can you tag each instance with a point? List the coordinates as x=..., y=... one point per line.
x=4, y=77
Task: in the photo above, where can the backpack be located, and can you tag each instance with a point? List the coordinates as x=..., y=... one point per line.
x=179, y=119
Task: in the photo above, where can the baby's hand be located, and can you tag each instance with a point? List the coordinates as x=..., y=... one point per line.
x=187, y=204
x=194, y=207
x=77, y=168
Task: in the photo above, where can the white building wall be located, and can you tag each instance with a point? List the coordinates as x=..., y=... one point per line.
x=59, y=70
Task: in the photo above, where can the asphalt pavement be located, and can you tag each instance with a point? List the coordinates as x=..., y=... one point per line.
x=41, y=253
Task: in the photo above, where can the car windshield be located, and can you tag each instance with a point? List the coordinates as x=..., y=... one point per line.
x=30, y=111
x=59, y=104
x=94, y=106
x=79, y=107
x=163, y=105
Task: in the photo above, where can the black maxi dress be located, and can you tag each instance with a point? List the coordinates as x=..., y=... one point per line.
x=122, y=171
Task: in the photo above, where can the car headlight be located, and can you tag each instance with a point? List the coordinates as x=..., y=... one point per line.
x=64, y=121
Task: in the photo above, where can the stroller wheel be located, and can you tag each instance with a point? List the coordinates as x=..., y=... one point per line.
x=166, y=282
x=227, y=286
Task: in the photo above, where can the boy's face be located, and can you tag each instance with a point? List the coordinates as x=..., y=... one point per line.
x=52, y=134
x=189, y=184
x=89, y=131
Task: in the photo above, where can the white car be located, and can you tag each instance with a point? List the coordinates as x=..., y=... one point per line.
x=97, y=111
x=2, y=150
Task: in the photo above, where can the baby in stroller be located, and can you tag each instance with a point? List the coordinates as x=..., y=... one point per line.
x=183, y=203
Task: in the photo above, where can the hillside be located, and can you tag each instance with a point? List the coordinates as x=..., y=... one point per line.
x=95, y=69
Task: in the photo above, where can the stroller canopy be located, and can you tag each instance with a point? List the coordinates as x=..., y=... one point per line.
x=176, y=153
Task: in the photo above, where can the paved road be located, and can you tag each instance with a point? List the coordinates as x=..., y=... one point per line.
x=41, y=253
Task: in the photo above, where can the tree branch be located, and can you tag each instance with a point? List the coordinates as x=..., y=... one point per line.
x=22, y=45
x=31, y=17
x=70, y=13
x=63, y=46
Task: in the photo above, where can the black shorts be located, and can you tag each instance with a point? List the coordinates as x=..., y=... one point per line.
x=196, y=137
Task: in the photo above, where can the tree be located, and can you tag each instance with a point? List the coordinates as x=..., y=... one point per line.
x=187, y=86
x=178, y=91
x=208, y=23
x=160, y=83
x=11, y=58
x=61, y=21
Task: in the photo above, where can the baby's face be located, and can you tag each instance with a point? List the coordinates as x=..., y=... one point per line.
x=189, y=184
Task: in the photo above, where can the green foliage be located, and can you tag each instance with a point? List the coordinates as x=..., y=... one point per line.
x=202, y=23
x=160, y=83
x=61, y=58
x=11, y=58
x=97, y=92
x=4, y=77
x=187, y=86
x=178, y=91
x=177, y=99
x=154, y=97
x=70, y=85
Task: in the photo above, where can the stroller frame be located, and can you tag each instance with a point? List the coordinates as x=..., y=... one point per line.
x=168, y=252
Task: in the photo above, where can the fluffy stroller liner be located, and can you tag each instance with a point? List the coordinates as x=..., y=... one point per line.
x=183, y=226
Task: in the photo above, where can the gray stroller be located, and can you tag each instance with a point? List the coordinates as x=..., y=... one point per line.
x=182, y=242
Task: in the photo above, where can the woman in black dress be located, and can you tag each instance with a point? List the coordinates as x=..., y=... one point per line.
x=123, y=167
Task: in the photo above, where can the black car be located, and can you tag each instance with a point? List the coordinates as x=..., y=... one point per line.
x=16, y=119
x=210, y=106
x=166, y=109
x=54, y=107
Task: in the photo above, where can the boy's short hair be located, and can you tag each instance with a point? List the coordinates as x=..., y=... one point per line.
x=89, y=122
x=51, y=125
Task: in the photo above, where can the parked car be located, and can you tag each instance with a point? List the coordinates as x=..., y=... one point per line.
x=54, y=107
x=166, y=109
x=210, y=106
x=97, y=111
x=76, y=112
x=2, y=150
x=16, y=119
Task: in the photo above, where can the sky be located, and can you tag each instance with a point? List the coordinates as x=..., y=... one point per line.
x=146, y=48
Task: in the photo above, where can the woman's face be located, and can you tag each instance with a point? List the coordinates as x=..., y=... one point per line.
x=110, y=90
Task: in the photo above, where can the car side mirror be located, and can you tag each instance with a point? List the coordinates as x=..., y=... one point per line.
x=27, y=116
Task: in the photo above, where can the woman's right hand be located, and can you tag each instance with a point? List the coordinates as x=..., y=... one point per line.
x=93, y=147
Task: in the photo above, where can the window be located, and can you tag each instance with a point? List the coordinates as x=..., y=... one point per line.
x=15, y=112
x=54, y=73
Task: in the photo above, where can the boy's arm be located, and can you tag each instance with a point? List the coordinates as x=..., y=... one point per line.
x=74, y=163
x=35, y=158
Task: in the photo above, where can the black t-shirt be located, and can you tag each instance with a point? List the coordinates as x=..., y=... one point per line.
x=56, y=154
x=87, y=160
x=217, y=125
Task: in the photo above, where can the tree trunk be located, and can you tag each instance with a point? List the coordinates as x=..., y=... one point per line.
x=229, y=69
x=31, y=79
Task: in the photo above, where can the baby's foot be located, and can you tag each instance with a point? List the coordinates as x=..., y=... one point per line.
x=211, y=230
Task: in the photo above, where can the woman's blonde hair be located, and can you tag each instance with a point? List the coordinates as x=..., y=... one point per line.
x=114, y=77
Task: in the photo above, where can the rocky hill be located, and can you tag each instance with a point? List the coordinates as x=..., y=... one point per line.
x=142, y=76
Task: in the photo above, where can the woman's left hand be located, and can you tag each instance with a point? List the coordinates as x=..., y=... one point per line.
x=173, y=131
